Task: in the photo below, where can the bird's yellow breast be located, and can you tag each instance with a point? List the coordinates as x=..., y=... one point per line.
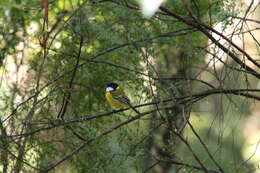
x=113, y=102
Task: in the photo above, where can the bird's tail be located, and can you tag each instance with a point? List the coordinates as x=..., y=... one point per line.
x=134, y=109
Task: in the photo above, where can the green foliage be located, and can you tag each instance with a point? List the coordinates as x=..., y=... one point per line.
x=15, y=16
x=105, y=42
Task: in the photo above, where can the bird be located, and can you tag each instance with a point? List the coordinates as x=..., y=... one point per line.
x=116, y=97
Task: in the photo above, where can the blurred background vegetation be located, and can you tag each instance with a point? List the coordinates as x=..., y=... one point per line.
x=58, y=56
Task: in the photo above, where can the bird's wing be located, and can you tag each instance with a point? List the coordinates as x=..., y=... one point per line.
x=122, y=99
x=119, y=96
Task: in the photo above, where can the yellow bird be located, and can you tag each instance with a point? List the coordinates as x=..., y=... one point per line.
x=116, y=97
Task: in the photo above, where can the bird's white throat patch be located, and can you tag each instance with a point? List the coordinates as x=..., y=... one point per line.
x=108, y=89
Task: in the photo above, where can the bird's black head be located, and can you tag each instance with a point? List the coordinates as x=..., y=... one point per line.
x=111, y=87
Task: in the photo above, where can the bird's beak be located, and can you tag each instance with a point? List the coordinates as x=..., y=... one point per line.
x=109, y=89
